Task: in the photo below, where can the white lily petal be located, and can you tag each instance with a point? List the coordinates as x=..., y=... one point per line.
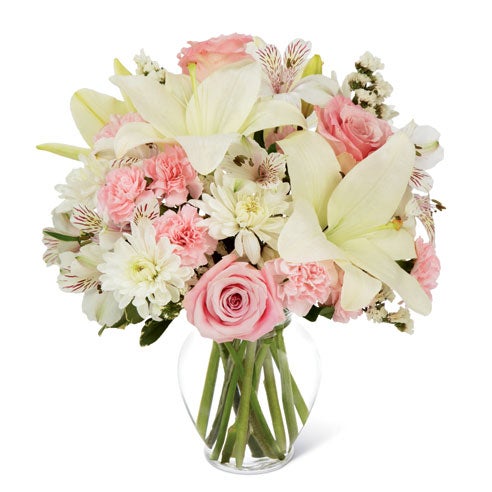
x=69, y=151
x=369, y=195
x=316, y=89
x=373, y=260
x=398, y=245
x=271, y=113
x=91, y=111
x=313, y=169
x=358, y=288
x=225, y=99
x=205, y=153
x=132, y=135
x=180, y=86
x=155, y=103
x=302, y=240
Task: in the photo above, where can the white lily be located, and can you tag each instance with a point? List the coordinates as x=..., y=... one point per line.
x=205, y=119
x=352, y=222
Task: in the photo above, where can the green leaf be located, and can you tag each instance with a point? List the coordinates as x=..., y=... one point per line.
x=152, y=331
x=61, y=237
x=315, y=311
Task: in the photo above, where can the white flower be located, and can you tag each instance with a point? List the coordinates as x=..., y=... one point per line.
x=82, y=184
x=426, y=140
x=148, y=67
x=247, y=160
x=144, y=272
x=60, y=238
x=246, y=211
x=370, y=62
x=401, y=319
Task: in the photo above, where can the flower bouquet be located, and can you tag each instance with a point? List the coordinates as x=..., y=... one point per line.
x=242, y=190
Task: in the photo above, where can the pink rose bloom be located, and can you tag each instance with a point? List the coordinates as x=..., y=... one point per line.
x=427, y=266
x=172, y=175
x=123, y=190
x=301, y=285
x=214, y=53
x=185, y=229
x=116, y=121
x=233, y=300
x=351, y=130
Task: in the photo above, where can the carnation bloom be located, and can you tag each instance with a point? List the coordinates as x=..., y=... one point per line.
x=116, y=121
x=427, y=266
x=172, y=176
x=186, y=231
x=144, y=271
x=234, y=300
x=214, y=53
x=301, y=285
x=351, y=130
x=123, y=189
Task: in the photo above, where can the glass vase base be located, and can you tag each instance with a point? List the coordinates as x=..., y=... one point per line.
x=254, y=466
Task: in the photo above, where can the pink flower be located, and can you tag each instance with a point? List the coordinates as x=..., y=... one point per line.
x=233, y=300
x=116, y=121
x=427, y=266
x=185, y=230
x=123, y=190
x=274, y=135
x=172, y=176
x=301, y=285
x=214, y=53
x=352, y=130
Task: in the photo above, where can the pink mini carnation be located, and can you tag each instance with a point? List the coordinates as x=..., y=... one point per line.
x=172, y=176
x=185, y=229
x=234, y=300
x=427, y=266
x=116, y=121
x=123, y=190
x=301, y=285
x=351, y=130
x=214, y=53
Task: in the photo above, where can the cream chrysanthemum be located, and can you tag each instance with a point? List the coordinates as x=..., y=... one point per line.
x=143, y=271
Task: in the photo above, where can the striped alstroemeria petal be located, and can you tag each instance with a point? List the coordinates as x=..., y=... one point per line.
x=295, y=58
x=271, y=62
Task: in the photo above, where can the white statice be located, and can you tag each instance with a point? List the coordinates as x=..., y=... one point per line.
x=143, y=271
x=246, y=160
x=402, y=320
x=370, y=62
x=244, y=210
x=148, y=67
x=83, y=183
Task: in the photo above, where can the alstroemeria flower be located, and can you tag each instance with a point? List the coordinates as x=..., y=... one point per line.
x=352, y=222
x=206, y=118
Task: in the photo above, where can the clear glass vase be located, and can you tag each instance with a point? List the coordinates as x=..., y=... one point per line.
x=250, y=400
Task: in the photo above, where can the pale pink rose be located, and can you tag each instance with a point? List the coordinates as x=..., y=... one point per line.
x=116, y=121
x=277, y=134
x=334, y=299
x=124, y=188
x=186, y=231
x=173, y=177
x=427, y=266
x=234, y=300
x=301, y=285
x=214, y=53
x=350, y=129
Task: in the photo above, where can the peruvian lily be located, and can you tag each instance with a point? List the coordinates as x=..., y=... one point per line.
x=287, y=78
x=206, y=118
x=352, y=221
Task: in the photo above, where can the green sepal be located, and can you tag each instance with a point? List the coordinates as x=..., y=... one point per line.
x=315, y=311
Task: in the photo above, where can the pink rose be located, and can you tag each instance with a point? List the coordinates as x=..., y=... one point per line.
x=427, y=266
x=172, y=176
x=186, y=231
x=214, y=53
x=116, y=121
x=233, y=300
x=302, y=285
x=123, y=190
x=351, y=130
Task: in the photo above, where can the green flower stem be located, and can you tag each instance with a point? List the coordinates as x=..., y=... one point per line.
x=260, y=357
x=229, y=444
x=287, y=394
x=273, y=403
x=242, y=421
x=208, y=391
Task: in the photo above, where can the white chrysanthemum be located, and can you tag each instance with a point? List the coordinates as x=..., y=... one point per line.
x=144, y=272
x=246, y=211
x=83, y=183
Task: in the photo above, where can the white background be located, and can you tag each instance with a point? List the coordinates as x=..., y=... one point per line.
x=394, y=412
